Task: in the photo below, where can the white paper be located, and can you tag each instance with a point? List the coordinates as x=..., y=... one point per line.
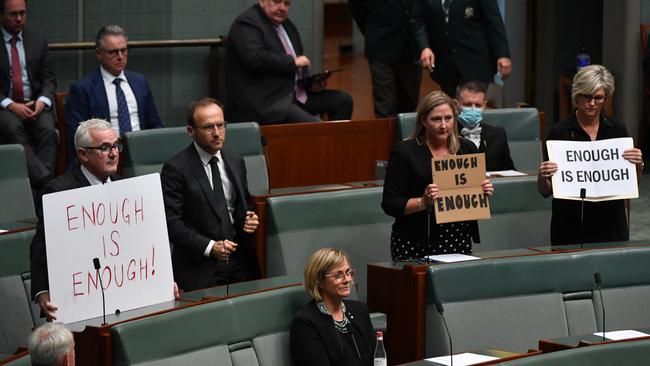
x=596, y=166
x=123, y=224
x=462, y=359
x=451, y=258
x=622, y=334
x=505, y=173
x=3, y=231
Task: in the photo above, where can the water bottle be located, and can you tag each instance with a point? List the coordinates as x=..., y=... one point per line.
x=380, y=351
x=582, y=59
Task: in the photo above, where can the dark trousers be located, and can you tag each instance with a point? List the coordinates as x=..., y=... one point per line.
x=336, y=103
x=40, y=140
x=395, y=87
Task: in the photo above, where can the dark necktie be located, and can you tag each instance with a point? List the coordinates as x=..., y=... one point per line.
x=123, y=117
x=16, y=73
x=222, y=205
x=301, y=94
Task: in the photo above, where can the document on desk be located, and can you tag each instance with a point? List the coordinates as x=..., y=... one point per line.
x=622, y=334
x=451, y=258
x=505, y=173
x=3, y=231
x=462, y=359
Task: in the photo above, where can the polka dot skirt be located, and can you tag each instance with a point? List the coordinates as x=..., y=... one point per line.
x=451, y=237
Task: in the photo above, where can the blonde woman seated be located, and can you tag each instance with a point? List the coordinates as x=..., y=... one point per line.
x=329, y=331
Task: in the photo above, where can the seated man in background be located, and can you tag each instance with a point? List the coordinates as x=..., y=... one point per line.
x=266, y=67
x=51, y=344
x=27, y=87
x=491, y=140
x=119, y=96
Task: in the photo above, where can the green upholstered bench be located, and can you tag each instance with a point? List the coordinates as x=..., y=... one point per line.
x=15, y=190
x=16, y=317
x=520, y=216
x=351, y=220
x=148, y=150
x=631, y=353
x=240, y=288
x=522, y=126
x=248, y=330
x=512, y=303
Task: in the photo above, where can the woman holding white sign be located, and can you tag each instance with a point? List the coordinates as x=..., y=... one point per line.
x=604, y=221
x=409, y=192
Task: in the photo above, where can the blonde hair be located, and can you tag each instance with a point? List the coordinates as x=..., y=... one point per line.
x=591, y=78
x=426, y=105
x=317, y=266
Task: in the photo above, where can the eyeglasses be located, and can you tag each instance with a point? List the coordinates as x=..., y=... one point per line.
x=106, y=148
x=114, y=52
x=16, y=14
x=209, y=127
x=338, y=276
x=598, y=99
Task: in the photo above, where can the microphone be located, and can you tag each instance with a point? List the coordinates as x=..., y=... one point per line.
x=602, y=304
x=583, y=194
x=429, y=209
x=441, y=311
x=101, y=285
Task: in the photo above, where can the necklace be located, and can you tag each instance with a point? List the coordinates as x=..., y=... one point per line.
x=342, y=325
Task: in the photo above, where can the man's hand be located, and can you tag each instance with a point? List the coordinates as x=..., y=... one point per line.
x=251, y=222
x=427, y=59
x=177, y=293
x=302, y=61
x=47, y=308
x=21, y=110
x=38, y=108
x=504, y=67
x=222, y=249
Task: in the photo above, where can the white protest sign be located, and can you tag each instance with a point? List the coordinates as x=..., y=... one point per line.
x=596, y=166
x=123, y=224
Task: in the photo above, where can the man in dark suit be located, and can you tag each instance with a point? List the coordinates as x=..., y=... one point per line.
x=27, y=87
x=461, y=40
x=491, y=140
x=110, y=92
x=396, y=76
x=98, y=150
x=266, y=65
x=207, y=204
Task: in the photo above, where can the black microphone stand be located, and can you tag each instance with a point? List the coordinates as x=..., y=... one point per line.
x=441, y=310
x=602, y=304
x=101, y=285
x=583, y=194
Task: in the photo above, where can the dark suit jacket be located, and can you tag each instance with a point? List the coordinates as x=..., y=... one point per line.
x=38, y=259
x=261, y=76
x=87, y=99
x=193, y=219
x=315, y=341
x=494, y=143
x=475, y=36
x=39, y=71
x=386, y=26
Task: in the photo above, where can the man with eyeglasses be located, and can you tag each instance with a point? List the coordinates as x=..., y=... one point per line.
x=27, y=86
x=111, y=92
x=98, y=150
x=207, y=204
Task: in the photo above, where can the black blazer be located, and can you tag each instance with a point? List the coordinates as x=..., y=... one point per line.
x=261, y=76
x=39, y=69
x=193, y=220
x=37, y=256
x=494, y=143
x=408, y=173
x=386, y=26
x=475, y=36
x=314, y=340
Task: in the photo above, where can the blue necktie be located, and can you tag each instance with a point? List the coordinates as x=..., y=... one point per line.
x=123, y=117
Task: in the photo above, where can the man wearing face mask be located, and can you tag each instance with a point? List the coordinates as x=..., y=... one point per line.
x=491, y=140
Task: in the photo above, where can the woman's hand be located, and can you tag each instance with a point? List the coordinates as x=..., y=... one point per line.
x=634, y=156
x=430, y=194
x=547, y=169
x=488, y=187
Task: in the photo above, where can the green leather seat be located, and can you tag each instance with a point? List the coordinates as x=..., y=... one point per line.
x=15, y=190
x=21, y=361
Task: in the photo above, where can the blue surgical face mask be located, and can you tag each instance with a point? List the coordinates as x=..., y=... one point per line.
x=470, y=117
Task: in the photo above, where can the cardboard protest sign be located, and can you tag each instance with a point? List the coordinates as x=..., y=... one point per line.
x=123, y=224
x=596, y=166
x=461, y=197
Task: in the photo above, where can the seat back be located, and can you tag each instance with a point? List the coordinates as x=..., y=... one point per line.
x=405, y=125
x=245, y=138
x=15, y=190
x=148, y=150
x=522, y=127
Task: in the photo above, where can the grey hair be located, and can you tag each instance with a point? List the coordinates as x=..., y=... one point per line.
x=591, y=78
x=48, y=344
x=109, y=30
x=82, y=136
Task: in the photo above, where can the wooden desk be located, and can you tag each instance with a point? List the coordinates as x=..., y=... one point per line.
x=502, y=356
x=564, y=343
x=16, y=227
x=303, y=154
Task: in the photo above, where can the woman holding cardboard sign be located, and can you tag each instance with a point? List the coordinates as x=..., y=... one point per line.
x=604, y=221
x=409, y=192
